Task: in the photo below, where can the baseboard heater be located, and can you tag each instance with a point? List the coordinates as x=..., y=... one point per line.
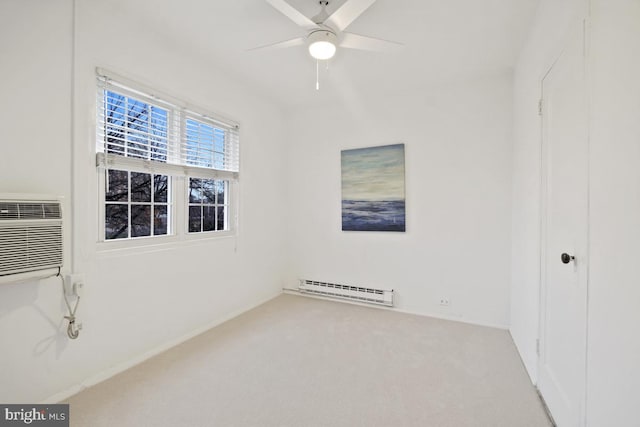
x=348, y=292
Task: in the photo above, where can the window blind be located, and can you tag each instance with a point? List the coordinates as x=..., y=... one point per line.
x=139, y=130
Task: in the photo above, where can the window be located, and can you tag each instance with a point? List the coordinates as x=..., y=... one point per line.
x=165, y=168
x=134, y=128
x=207, y=209
x=205, y=145
x=136, y=204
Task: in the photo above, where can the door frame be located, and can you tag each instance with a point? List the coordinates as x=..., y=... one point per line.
x=584, y=28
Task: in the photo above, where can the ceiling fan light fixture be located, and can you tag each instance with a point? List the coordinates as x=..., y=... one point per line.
x=322, y=44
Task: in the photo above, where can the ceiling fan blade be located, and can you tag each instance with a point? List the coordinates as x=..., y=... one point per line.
x=290, y=12
x=356, y=41
x=347, y=13
x=280, y=45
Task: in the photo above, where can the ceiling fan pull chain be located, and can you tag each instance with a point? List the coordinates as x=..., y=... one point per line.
x=317, y=74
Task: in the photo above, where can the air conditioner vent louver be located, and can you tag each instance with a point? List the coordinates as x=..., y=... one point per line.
x=29, y=210
x=31, y=239
x=30, y=247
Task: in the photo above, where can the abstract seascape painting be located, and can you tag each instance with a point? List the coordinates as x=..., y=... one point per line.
x=373, y=189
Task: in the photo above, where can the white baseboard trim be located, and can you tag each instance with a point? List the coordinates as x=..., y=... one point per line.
x=532, y=371
x=456, y=319
x=400, y=310
x=123, y=366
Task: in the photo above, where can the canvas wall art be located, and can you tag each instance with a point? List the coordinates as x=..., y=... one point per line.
x=373, y=196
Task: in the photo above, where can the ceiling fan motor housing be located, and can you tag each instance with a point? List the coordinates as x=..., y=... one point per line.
x=322, y=43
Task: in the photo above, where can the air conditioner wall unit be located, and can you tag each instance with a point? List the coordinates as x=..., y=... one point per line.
x=31, y=238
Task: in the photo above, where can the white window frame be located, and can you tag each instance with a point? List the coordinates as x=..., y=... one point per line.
x=152, y=203
x=215, y=205
x=179, y=173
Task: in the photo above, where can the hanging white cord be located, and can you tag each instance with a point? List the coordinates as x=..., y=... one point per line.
x=317, y=74
x=73, y=330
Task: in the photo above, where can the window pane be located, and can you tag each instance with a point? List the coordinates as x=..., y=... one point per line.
x=199, y=143
x=195, y=190
x=160, y=220
x=138, y=129
x=115, y=142
x=117, y=186
x=114, y=107
x=209, y=218
x=138, y=115
x=219, y=160
x=208, y=191
x=135, y=128
x=116, y=222
x=140, y=187
x=219, y=149
x=221, y=216
x=195, y=219
x=159, y=131
x=221, y=187
x=140, y=220
x=137, y=148
x=161, y=188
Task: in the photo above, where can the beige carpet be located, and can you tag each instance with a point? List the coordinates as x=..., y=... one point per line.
x=298, y=361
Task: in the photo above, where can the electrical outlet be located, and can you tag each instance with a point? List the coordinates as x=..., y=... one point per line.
x=73, y=285
x=444, y=301
x=78, y=288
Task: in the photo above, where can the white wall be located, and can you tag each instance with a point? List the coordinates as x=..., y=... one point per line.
x=35, y=134
x=553, y=21
x=458, y=196
x=136, y=301
x=614, y=208
x=613, y=375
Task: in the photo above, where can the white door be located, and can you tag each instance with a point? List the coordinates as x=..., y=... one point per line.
x=563, y=304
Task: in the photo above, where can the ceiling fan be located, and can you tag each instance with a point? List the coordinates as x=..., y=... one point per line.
x=325, y=33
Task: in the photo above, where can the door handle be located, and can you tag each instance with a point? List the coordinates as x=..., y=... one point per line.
x=566, y=258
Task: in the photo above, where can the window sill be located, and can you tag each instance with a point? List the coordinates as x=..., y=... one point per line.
x=161, y=243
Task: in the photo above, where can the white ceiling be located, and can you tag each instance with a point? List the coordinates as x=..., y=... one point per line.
x=444, y=40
